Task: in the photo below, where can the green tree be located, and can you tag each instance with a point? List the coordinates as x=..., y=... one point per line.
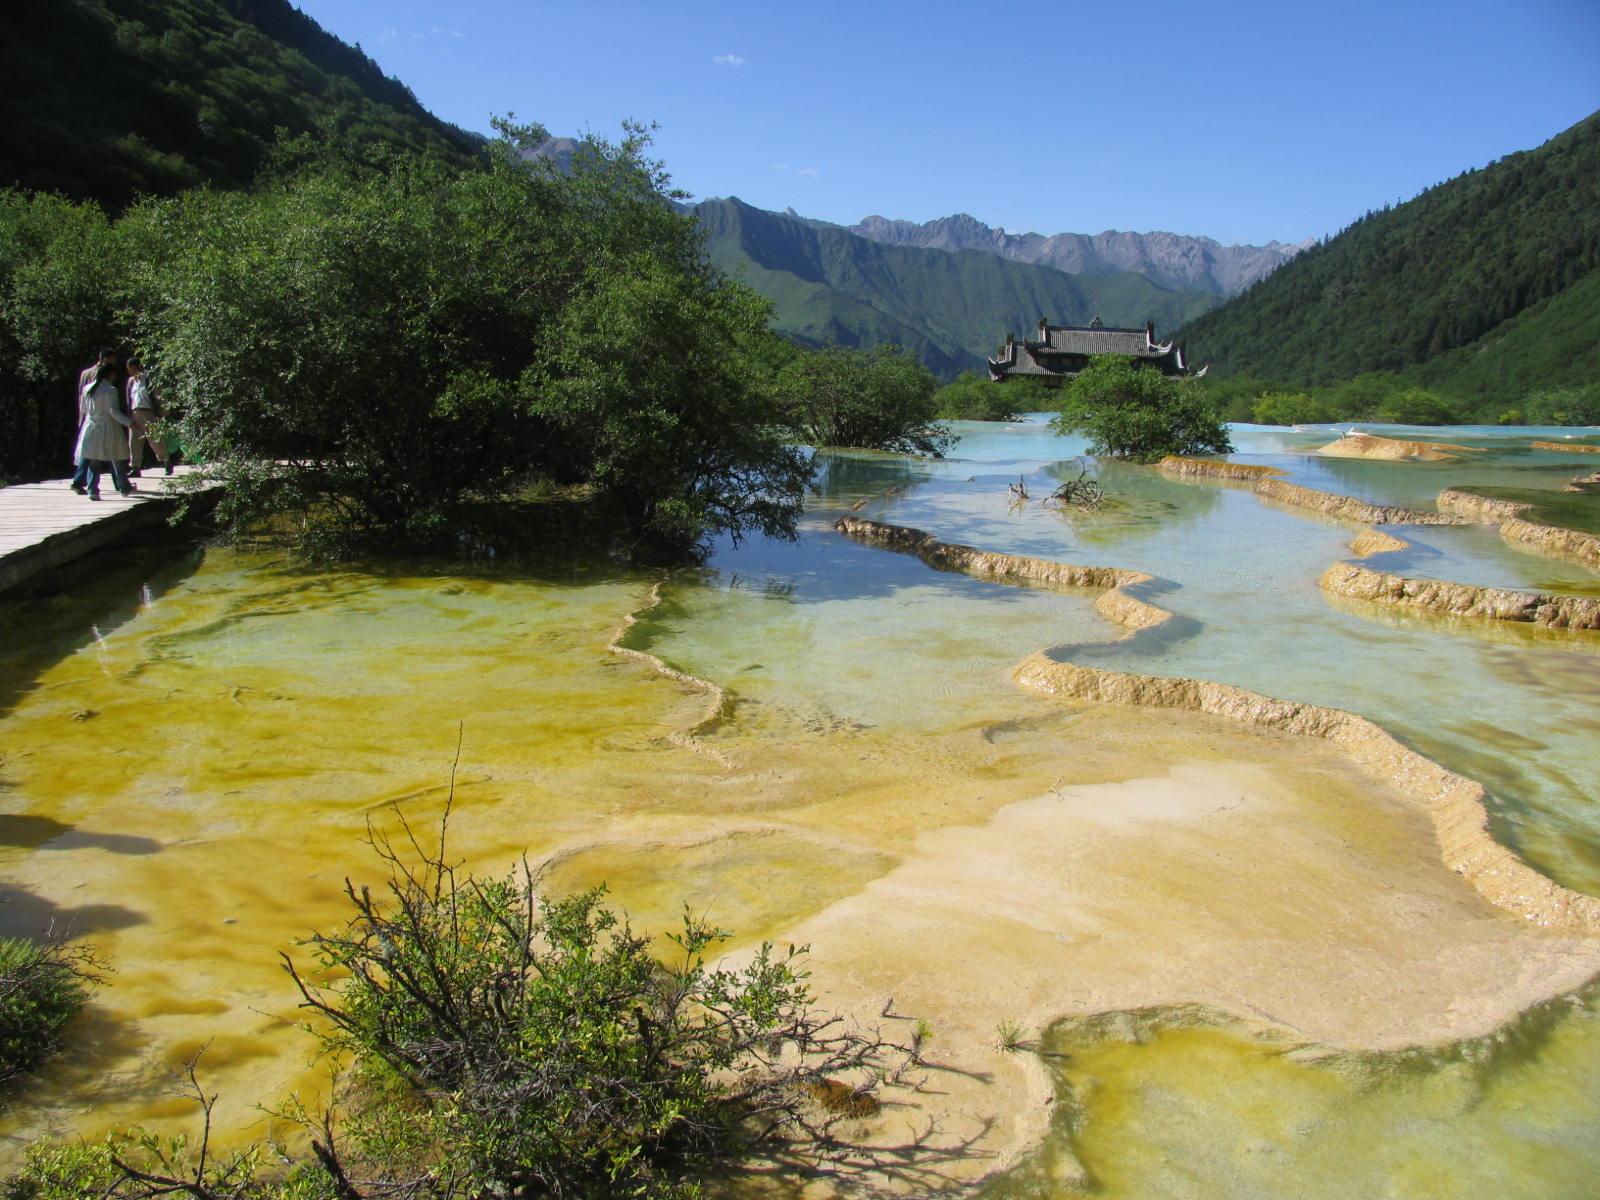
x=1362, y=398
x=1285, y=408
x=1235, y=396
x=974, y=398
x=681, y=441
x=1136, y=412
x=1414, y=406
x=879, y=399
x=375, y=343
x=1562, y=406
x=63, y=277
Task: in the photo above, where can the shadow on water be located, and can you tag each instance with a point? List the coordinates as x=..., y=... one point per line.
x=60, y=612
x=99, y=1063
x=46, y=833
x=842, y=478
x=31, y=917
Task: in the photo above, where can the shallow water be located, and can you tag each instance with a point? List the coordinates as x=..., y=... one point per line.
x=193, y=755
x=1516, y=708
x=1197, y=1112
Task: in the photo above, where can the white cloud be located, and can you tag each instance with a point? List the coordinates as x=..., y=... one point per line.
x=728, y=60
x=389, y=35
x=810, y=172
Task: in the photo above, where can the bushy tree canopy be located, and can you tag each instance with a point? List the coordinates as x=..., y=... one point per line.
x=973, y=398
x=879, y=399
x=1135, y=412
x=1290, y=408
x=1563, y=406
x=377, y=341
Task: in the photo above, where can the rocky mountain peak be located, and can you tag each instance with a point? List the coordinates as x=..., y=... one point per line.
x=1173, y=260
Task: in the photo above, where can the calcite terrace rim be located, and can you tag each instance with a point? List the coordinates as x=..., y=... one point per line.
x=1555, y=611
x=1456, y=805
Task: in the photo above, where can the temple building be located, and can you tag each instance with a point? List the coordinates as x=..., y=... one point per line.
x=1061, y=351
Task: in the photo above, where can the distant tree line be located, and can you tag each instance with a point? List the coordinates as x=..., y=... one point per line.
x=1391, y=399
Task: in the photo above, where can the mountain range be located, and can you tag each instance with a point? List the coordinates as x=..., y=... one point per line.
x=1170, y=259
x=1481, y=288
x=949, y=308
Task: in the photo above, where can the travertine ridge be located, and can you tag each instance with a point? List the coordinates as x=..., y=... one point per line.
x=1456, y=804
x=1462, y=599
x=1456, y=507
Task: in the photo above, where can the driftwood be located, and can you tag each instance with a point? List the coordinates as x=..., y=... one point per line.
x=1082, y=491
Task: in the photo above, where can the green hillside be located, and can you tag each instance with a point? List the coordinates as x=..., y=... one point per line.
x=107, y=99
x=949, y=308
x=1482, y=288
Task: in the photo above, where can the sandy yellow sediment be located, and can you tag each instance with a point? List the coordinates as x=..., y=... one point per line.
x=1056, y=860
x=1376, y=541
x=1371, y=445
x=1350, y=896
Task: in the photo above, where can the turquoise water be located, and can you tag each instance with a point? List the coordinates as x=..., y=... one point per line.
x=1209, y=1113
x=1514, y=708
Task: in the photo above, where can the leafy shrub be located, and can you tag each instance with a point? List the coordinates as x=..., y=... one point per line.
x=1136, y=412
x=879, y=399
x=63, y=1170
x=506, y=1044
x=513, y=1044
x=41, y=987
x=972, y=398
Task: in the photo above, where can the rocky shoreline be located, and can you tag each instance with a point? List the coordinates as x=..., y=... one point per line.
x=1455, y=507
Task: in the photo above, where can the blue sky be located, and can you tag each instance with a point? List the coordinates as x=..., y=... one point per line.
x=1242, y=120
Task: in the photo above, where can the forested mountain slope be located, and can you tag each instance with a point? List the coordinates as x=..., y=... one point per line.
x=106, y=99
x=1483, y=287
x=950, y=309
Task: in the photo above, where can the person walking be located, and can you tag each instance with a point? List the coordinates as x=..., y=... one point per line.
x=103, y=436
x=143, y=408
x=86, y=379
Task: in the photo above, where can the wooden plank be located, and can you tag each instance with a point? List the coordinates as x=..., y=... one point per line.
x=43, y=525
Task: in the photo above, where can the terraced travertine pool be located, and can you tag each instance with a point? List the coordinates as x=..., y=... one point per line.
x=1266, y=981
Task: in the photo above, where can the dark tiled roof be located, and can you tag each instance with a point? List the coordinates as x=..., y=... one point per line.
x=1067, y=339
x=1063, y=350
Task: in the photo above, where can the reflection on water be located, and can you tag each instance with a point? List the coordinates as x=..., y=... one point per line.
x=192, y=756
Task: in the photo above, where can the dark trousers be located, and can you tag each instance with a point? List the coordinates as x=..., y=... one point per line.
x=91, y=468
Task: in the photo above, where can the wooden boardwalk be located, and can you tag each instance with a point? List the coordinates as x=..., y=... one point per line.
x=43, y=525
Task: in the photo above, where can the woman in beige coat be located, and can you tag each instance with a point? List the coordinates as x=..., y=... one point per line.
x=103, y=437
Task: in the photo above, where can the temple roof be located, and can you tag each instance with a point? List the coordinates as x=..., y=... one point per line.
x=1061, y=351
